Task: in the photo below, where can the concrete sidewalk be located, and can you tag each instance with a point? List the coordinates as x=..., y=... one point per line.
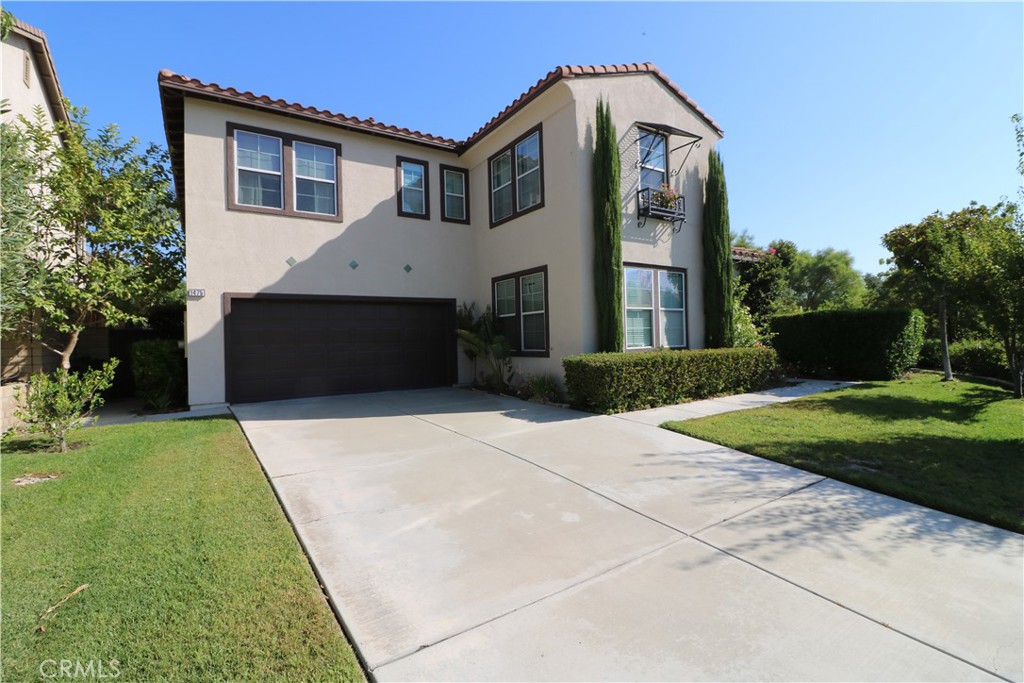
x=464, y=536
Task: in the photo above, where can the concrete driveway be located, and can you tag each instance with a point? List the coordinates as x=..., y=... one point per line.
x=463, y=536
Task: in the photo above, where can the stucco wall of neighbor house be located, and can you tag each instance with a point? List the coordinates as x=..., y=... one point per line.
x=545, y=237
x=242, y=252
x=643, y=98
x=22, y=98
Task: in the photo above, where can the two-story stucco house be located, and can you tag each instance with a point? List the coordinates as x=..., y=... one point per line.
x=327, y=254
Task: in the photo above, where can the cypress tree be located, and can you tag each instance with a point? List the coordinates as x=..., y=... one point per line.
x=607, y=231
x=718, y=324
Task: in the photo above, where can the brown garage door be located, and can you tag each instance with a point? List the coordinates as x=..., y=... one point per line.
x=288, y=347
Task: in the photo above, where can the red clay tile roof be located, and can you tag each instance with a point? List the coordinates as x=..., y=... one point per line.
x=583, y=71
x=44, y=59
x=745, y=254
x=169, y=79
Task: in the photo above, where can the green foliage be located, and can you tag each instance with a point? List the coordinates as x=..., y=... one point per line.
x=931, y=354
x=482, y=340
x=17, y=231
x=766, y=282
x=543, y=387
x=607, y=198
x=853, y=344
x=55, y=404
x=718, y=325
x=826, y=279
x=615, y=382
x=6, y=23
x=745, y=332
x=983, y=357
x=160, y=373
x=109, y=237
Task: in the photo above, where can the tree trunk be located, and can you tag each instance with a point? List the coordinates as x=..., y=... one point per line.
x=947, y=367
x=69, y=348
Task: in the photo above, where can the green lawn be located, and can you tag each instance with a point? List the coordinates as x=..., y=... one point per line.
x=193, y=572
x=952, y=446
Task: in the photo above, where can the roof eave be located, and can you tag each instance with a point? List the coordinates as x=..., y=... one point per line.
x=47, y=70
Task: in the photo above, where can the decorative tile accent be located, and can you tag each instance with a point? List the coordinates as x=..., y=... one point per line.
x=353, y=264
x=407, y=268
x=291, y=261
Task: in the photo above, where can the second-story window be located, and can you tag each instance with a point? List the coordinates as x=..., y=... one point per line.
x=653, y=160
x=258, y=165
x=282, y=174
x=413, y=188
x=517, y=178
x=455, y=194
x=315, y=178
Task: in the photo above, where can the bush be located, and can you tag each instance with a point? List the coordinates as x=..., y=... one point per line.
x=985, y=357
x=543, y=387
x=616, y=382
x=55, y=404
x=160, y=373
x=852, y=344
x=931, y=355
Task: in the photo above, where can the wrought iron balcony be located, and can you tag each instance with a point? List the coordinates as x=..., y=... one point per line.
x=653, y=203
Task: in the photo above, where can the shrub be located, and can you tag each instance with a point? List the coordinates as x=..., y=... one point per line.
x=55, y=404
x=985, y=357
x=482, y=339
x=160, y=373
x=931, y=354
x=543, y=387
x=854, y=344
x=616, y=382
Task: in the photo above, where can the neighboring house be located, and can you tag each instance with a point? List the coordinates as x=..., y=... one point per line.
x=327, y=254
x=30, y=85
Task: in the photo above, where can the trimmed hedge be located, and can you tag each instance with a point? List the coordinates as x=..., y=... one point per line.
x=160, y=373
x=931, y=355
x=617, y=382
x=984, y=357
x=852, y=344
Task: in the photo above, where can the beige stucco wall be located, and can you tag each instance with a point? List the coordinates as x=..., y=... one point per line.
x=22, y=98
x=237, y=251
x=544, y=237
x=643, y=98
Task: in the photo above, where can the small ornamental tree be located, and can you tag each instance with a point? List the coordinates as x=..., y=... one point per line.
x=607, y=198
x=107, y=232
x=718, y=324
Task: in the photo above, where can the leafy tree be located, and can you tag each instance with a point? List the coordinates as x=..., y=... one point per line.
x=742, y=239
x=826, y=279
x=766, y=282
x=17, y=221
x=108, y=235
x=718, y=324
x=935, y=258
x=607, y=198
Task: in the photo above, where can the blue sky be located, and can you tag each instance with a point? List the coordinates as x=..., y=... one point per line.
x=842, y=121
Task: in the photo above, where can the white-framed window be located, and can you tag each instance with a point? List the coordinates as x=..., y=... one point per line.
x=413, y=188
x=258, y=173
x=655, y=307
x=315, y=178
x=521, y=307
x=517, y=177
x=455, y=194
x=528, y=181
x=501, y=187
x=533, y=322
x=505, y=298
x=653, y=160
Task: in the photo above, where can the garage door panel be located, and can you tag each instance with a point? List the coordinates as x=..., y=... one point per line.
x=287, y=348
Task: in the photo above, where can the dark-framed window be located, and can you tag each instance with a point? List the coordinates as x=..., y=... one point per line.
x=655, y=307
x=653, y=160
x=279, y=173
x=520, y=303
x=413, y=178
x=454, y=194
x=516, y=177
